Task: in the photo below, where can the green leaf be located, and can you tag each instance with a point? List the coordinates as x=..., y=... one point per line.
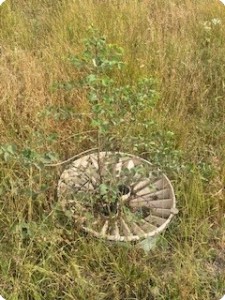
x=103, y=188
x=92, y=78
x=11, y=149
x=6, y=156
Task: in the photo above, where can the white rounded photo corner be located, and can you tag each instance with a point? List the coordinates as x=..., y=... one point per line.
x=223, y=298
x=1, y=1
x=1, y=298
x=223, y=1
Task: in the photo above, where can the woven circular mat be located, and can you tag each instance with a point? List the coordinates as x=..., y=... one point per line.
x=117, y=196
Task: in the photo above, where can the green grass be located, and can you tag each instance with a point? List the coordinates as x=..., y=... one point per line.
x=178, y=44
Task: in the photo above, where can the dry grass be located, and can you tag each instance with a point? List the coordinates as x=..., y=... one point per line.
x=43, y=258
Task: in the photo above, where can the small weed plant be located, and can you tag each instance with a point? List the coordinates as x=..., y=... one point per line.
x=113, y=103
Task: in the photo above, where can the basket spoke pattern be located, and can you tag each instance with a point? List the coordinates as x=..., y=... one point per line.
x=117, y=196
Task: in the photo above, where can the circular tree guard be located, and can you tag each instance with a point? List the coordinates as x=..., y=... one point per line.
x=117, y=196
